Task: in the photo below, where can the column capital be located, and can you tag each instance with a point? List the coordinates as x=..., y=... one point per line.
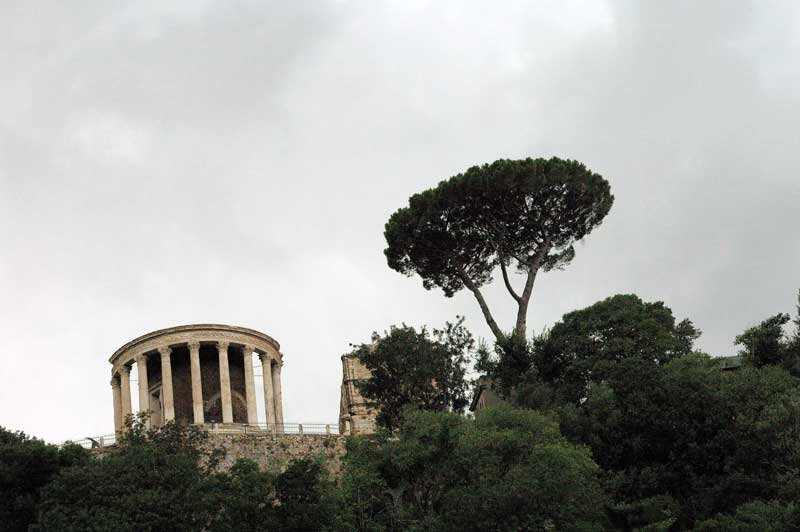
x=263, y=356
x=141, y=359
x=248, y=348
x=126, y=368
x=193, y=344
x=115, y=382
x=223, y=344
x=165, y=350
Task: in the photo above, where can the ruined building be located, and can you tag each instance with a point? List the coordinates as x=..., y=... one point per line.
x=356, y=414
x=200, y=374
x=204, y=375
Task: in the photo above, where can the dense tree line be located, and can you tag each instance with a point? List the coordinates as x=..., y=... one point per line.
x=633, y=430
x=435, y=471
x=680, y=444
x=676, y=442
x=155, y=480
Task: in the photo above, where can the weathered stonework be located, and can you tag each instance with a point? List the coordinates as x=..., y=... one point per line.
x=209, y=370
x=274, y=452
x=356, y=414
x=484, y=396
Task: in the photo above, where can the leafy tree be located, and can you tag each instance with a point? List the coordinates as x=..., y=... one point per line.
x=244, y=499
x=368, y=504
x=764, y=343
x=756, y=516
x=510, y=370
x=586, y=344
x=304, y=496
x=505, y=470
x=711, y=441
x=768, y=344
x=153, y=480
x=26, y=465
x=527, y=213
x=421, y=369
x=583, y=348
x=169, y=479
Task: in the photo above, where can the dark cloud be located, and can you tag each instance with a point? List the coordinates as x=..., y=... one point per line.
x=188, y=163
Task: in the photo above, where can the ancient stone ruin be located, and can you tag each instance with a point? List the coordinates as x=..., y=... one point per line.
x=356, y=414
x=201, y=374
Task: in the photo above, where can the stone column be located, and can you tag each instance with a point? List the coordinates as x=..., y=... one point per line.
x=276, y=385
x=125, y=385
x=197, y=382
x=166, y=383
x=117, y=393
x=225, y=383
x=144, y=388
x=269, y=402
x=249, y=385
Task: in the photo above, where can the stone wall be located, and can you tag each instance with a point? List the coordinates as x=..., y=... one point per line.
x=273, y=452
x=356, y=414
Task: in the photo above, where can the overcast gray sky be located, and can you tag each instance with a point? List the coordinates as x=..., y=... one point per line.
x=165, y=163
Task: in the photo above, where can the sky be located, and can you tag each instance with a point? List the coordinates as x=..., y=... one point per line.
x=166, y=163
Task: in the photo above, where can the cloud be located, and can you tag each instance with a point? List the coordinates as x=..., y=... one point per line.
x=110, y=139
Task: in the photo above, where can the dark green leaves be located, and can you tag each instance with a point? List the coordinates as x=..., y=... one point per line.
x=506, y=470
x=529, y=212
x=423, y=370
x=586, y=344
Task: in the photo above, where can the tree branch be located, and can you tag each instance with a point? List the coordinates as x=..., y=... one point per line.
x=498, y=333
x=507, y=281
x=522, y=303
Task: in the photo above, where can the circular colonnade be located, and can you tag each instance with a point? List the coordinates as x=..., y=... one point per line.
x=198, y=374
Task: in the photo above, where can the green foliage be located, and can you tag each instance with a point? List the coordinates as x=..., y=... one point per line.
x=26, y=465
x=304, y=496
x=652, y=514
x=419, y=369
x=633, y=432
x=768, y=344
x=167, y=479
x=709, y=440
x=504, y=470
x=586, y=345
x=249, y=500
x=508, y=365
x=153, y=480
x=583, y=348
x=243, y=499
x=756, y=516
x=527, y=212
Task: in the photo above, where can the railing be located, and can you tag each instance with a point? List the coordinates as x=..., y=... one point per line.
x=325, y=429
x=95, y=442
x=274, y=428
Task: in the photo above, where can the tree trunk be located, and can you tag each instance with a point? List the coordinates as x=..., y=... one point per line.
x=487, y=314
x=520, y=330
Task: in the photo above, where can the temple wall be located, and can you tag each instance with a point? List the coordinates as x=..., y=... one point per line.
x=274, y=452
